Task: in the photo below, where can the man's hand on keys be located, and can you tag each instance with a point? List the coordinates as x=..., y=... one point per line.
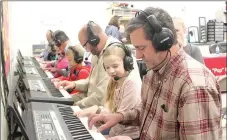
x=66, y=84
x=87, y=111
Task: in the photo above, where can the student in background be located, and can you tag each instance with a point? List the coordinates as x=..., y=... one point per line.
x=61, y=40
x=58, y=65
x=49, y=53
x=113, y=28
x=123, y=91
x=190, y=49
x=75, y=56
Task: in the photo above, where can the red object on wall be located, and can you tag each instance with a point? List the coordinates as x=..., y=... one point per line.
x=5, y=33
x=216, y=63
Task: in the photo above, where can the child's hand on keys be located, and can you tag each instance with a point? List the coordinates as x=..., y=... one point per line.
x=53, y=69
x=55, y=80
x=86, y=112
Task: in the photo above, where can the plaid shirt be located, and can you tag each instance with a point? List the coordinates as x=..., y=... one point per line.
x=181, y=101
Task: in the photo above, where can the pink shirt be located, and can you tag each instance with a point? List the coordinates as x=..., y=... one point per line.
x=127, y=97
x=59, y=64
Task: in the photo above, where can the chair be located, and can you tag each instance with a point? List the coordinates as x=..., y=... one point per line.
x=222, y=47
x=222, y=83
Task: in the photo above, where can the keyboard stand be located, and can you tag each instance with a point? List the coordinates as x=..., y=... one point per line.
x=15, y=122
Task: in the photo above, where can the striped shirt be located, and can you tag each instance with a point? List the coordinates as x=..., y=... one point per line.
x=181, y=101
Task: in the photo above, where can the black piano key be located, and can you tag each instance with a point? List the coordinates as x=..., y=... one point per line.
x=35, y=62
x=82, y=136
x=67, y=112
x=76, y=128
x=81, y=127
x=86, y=138
x=41, y=72
x=73, y=120
x=73, y=123
x=78, y=131
x=51, y=87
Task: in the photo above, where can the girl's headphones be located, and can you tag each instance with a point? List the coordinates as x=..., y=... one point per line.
x=127, y=60
x=77, y=58
x=162, y=38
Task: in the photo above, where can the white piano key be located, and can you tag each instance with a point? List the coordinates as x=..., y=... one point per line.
x=96, y=135
x=49, y=74
x=64, y=92
x=57, y=125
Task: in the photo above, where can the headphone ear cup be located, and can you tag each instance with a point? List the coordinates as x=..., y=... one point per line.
x=164, y=40
x=78, y=60
x=92, y=38
x=128, y=63
x=128, y=60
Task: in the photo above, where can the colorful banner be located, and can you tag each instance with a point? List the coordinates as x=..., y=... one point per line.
x=5, y=33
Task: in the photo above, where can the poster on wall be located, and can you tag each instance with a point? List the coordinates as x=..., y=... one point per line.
x=5, y=35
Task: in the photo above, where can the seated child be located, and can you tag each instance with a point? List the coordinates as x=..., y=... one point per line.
x=58, y=65
x=123, y=91
x=75, y=56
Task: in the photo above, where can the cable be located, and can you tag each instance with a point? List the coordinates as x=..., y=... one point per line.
x=155, y=93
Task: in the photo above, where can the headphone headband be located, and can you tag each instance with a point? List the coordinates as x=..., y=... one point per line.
x=162, y=38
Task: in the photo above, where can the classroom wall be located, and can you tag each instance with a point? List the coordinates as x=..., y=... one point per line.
x=190, y=11
x=30, y=20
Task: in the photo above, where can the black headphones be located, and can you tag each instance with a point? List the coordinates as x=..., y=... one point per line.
x=92, y=38
x=77, y=58
x=57, y=42
x=162, y=38
x=128, y=60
